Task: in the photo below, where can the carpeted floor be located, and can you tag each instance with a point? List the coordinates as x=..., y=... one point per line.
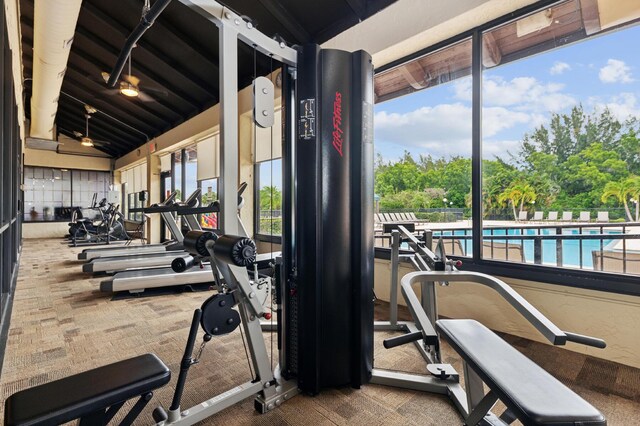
x=62, y=324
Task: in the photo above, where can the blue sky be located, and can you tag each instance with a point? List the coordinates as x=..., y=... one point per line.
x=602, y=71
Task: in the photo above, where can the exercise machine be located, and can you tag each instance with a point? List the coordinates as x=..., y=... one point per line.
x=167, y=217
x=486, y=357
x=106, y=228
x=184, y=272
x=189, y=210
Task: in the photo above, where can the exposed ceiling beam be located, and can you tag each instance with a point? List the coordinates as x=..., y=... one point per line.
x=132, y=113
x=88, y=61
x=172, y=34
x=75, y=121
x=414, y=74
x=284, y=17
x=99, y=121
x=144, y=73
x=180, y=72
x=590, y=16
x=359, y=7
x=491, y=54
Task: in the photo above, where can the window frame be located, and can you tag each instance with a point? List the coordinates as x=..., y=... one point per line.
x=268, y=238
x=200, y=214
x=592, y=280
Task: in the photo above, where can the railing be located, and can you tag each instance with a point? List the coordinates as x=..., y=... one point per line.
x=530, y=244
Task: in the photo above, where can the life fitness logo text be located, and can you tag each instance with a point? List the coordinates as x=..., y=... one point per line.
x=337, y=123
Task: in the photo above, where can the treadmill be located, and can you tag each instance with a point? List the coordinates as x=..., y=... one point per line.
x=153, y=260
x=167, y=217
x=195, y=273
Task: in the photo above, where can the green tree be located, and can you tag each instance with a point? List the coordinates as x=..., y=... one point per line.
x=621, y=191
x=270, y=198
x=517, y=193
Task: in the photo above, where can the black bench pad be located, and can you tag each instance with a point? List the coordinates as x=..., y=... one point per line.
x=75, y=396
x=534, y=396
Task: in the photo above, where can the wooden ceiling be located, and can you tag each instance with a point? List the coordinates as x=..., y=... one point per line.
x=567, y=22
x=177, y=55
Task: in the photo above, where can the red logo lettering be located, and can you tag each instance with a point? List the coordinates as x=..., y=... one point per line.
x=337, y=123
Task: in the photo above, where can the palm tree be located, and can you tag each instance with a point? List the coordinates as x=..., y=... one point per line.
x=517, y=193
x=622, y=191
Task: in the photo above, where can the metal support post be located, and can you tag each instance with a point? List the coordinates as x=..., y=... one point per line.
x=228, y=129
x=395, y=266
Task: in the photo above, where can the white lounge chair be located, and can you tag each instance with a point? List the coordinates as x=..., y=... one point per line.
x=537, y=216
x=603, y=217
x=523, y=215
x=552, y=216
x=584, y=217
x=567, y=216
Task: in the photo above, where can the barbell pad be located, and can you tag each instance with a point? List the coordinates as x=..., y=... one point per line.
x=239, y=251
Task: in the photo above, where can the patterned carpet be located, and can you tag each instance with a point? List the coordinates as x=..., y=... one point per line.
x=62, y=325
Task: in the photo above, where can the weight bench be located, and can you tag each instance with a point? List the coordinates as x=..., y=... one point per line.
x=531, y=395
x=94, y=396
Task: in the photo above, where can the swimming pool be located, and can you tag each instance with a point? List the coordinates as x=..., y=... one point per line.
x=570, y=248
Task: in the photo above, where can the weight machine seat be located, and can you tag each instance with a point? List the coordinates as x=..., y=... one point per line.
x=79, y=395
x=533, y=395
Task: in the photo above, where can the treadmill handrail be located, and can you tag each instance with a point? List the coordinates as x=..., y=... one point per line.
x=194, y=199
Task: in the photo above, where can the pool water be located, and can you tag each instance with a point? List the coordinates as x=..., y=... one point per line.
x=570, y=248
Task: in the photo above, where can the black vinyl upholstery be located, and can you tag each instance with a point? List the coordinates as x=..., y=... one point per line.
x=532, y=394
x=76, y=396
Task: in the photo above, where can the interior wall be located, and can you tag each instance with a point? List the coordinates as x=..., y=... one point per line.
x=612, y=317
x=42, y=158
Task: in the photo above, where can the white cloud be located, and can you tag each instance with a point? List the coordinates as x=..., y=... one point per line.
x=559, y=68
x=445, y=130
x=523, y=93
x=622, y=106
x=615, y=71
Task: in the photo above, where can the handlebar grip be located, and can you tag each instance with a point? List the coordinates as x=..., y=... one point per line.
x=585, y=340
x=401, y=340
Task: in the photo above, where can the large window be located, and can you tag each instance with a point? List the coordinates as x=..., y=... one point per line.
x=52, y=194
x=423, y=147
x=10, y=178
x=560, y=141
x=209, y=195
x=269, y=197
x=177, y=175
x=552, y=114
x=191, y=170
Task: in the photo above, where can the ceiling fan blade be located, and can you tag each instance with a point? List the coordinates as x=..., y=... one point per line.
x=131, y=79
x=100, y=142
x=145, y=98
x=154, y=90
x=77, y=134
x=111, y=91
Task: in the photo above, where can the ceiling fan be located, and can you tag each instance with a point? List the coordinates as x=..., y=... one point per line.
x=84, y=138
x=129, y=85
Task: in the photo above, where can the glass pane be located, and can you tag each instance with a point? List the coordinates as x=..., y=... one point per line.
x=560, y=139
x=270, y=197
x=423, y=148
x=209, y=195
x=191, y=171
x=177, y=174
x=47, y=197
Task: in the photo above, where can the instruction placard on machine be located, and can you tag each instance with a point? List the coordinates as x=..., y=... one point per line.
x=307, y=122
